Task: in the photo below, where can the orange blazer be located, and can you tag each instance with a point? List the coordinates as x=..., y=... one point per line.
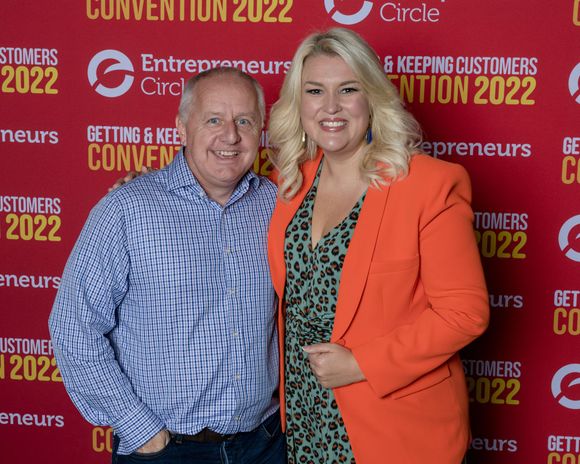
x=411, y=295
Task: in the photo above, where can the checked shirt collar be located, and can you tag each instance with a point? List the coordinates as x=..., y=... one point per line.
x=180, y=176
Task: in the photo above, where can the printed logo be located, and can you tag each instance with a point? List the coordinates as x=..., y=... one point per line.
x=569, y=238
x=563, y=383
x=574, y=83
x=120, y=63
x=348, y=19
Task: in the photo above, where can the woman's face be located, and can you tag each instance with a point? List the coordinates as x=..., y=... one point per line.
x=334, y=111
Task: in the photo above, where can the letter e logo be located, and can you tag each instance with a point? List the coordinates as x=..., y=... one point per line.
x=120, y=63
x=348, y=19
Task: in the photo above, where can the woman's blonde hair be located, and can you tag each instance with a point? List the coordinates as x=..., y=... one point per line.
x=395, y=132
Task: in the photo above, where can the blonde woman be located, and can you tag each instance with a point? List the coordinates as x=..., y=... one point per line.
x=373, y=257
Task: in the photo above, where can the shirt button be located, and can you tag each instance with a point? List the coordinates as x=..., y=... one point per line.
x=235, y=333
x=231, y=291
x=237, y=376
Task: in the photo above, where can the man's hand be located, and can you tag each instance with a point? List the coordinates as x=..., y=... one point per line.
x=333, y=365
x=130, y=176
x=158, y=442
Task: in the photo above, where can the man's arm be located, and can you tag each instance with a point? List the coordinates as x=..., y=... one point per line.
x=93, y=285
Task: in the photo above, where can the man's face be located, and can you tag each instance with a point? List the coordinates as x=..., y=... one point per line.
x=222, y=133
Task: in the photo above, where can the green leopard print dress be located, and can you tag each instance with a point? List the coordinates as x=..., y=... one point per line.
x=315, y=430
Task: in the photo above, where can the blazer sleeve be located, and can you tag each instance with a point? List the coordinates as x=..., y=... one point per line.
x=456, y=310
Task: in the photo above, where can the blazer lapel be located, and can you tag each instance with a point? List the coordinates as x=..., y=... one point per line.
x=358, y=259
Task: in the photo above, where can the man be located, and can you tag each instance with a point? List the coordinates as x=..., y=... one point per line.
x=164, y=323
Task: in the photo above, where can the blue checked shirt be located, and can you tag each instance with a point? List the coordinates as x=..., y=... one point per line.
x=165, y=317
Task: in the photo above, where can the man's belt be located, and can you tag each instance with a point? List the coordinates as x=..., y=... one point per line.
x=203, y=436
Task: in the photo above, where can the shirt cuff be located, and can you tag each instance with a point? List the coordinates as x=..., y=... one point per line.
x=136, y=429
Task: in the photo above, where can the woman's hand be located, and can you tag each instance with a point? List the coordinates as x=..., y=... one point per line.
x=333, y=365
x=130, y=176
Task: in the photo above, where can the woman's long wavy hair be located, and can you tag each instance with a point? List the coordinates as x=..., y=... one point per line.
x=395, y=132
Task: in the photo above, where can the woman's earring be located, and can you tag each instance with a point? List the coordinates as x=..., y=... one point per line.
x=369, y=136
x=303, y=138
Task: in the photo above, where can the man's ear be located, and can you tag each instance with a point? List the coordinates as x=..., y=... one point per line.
x=181, y=130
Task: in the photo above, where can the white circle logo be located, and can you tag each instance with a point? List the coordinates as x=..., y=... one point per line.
x=574, y=83
x=569, y=238
x=122, y=63
x=348, y=19
x=565, y=384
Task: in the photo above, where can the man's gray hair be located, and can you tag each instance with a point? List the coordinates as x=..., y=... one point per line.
x=185, y=105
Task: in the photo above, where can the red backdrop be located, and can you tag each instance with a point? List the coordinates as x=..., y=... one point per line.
x=89, y=90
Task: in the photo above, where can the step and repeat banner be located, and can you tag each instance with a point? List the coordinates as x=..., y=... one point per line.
x=89, y=90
